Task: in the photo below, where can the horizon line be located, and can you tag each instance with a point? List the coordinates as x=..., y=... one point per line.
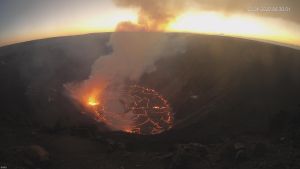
x=293, y=46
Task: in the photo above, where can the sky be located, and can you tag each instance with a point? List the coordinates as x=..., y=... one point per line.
x=24, y=20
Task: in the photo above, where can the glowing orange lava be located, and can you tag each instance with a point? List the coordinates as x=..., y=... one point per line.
x=92, y=101
x=152, y=112
x=142, y=111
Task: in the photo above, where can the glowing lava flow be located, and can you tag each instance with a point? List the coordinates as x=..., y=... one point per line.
x=92, y=101
x=152, y=113
x=146, y=110
x=96, y=109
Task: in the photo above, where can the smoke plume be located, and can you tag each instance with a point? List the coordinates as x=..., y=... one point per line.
x=133, y=55
x=154, y=15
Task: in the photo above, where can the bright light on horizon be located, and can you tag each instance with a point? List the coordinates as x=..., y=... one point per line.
x=204, y=22
x=208, y=22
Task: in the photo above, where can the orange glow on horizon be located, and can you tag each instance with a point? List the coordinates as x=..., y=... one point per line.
x=204, y=22
x=215, y=23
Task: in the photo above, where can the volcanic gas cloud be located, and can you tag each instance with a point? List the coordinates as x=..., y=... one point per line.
x=111, y=95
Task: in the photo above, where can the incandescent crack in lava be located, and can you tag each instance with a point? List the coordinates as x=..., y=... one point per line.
x=148, y=111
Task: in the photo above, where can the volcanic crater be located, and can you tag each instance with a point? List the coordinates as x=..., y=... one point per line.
x=219, y=88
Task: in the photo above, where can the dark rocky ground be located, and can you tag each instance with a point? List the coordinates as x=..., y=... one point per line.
x=246, y=113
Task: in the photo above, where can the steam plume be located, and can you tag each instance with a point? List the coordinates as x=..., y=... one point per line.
x=133, y=54
x=154, y=15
